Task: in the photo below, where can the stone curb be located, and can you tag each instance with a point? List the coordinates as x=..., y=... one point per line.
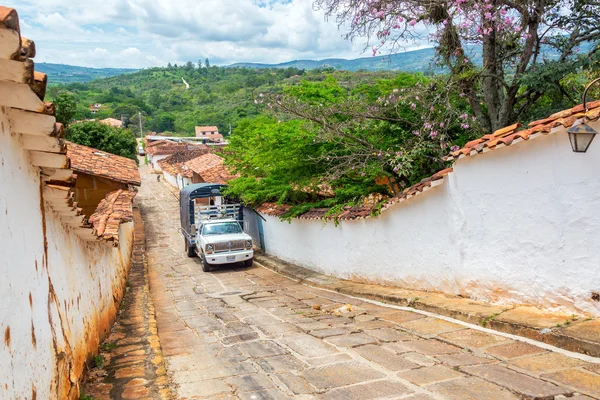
x=577, y=335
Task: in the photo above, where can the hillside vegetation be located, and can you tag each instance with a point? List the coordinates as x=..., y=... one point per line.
x=217, y=96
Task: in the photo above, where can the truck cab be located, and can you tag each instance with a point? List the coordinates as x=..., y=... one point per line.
x=212, y=227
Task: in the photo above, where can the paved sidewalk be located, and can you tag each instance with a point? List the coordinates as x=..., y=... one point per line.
x=130, y=363
x=243, y=333
x=574, y=333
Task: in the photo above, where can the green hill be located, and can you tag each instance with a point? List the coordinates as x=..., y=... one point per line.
x=61, y=73
x=410, y=61
x=217, y=96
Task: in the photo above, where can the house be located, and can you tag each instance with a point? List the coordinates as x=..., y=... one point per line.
x=99, y=173
x=209, y=134
x=94, y=108
x=115, y=123
x=174, y=169
x=209, y=168
x=158, y=150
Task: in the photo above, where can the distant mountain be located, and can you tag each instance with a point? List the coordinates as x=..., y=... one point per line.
x=410, y=61
x=60, y=73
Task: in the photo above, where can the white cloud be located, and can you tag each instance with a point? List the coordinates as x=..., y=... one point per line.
x=143, y=33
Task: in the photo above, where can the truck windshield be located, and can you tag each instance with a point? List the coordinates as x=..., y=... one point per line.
x=225, y=228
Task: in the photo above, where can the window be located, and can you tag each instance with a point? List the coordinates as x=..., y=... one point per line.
x=225, y=228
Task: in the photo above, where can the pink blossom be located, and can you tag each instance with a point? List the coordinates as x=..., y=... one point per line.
x=413, y=106
x=433, y=134
x=454, y=148
x=412, y=22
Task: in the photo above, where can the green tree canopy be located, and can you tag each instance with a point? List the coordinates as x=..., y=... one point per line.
x=66, y=107
x=103, y=137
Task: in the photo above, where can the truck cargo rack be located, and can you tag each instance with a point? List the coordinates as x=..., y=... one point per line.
x=209, y=213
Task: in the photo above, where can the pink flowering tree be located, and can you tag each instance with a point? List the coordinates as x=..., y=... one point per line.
x=502, y=55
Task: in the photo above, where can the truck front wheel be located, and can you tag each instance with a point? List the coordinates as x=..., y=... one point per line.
x=248, y=263
x=205, y=264
x=189, y=250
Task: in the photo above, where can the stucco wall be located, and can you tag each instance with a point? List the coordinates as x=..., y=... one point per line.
x=154, y=161
x=58, y=294
x=515, y=225
x=171, y=179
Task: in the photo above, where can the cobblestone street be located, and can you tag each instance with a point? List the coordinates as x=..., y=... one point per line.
x=239, y=333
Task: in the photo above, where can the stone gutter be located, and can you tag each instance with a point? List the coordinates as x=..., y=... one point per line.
x=573, y=333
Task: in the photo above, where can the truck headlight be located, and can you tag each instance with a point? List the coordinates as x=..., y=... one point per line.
x=210, y=249
x=248, y=244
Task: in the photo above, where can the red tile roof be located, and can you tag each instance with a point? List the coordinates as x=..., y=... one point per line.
x=114, y=210
x=211, y=168
x=100, y=163
x=200, y=129
x=115, y=123
x=175, y=164
x=512, y=134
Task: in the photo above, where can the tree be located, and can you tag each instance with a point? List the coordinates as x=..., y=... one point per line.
x=103, y=137
x=207, y=63
x=66, y=107
x=527, y=46
x=163, y=123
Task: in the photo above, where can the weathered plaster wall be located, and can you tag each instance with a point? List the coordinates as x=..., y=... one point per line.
x=58, y=294
x=515, y=225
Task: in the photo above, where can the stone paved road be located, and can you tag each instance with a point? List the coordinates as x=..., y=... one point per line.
x=252, y=334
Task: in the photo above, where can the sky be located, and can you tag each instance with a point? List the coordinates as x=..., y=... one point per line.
x=144, y=33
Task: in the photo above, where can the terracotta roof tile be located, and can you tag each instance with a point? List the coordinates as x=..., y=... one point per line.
x=99, y=163
x=9, y=18
x=508, y=135
x=211, y=168
x=112, y=211
x=115, y=123
x=175, y=163
x=207, y=129
x=165, y=147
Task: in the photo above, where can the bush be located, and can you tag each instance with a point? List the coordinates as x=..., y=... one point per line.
x=106, y=138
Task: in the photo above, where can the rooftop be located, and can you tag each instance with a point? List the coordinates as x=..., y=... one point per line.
x=114, y=210
x=174, y=164
x=207, y=129
x=211, y=168
x=106, y=165
x=116, y=123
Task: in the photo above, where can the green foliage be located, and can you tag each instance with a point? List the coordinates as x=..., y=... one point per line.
x=327, y=151
x=103, y=137
x=217, y=96
x=98, y=361
x=66, y=107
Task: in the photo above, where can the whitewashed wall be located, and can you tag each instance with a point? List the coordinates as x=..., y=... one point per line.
x=520, y=224
x=153, y=160
x=57, y=293
x=171, y=179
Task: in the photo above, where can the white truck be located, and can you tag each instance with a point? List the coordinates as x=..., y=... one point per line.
x=219, y=237
x=213, y=232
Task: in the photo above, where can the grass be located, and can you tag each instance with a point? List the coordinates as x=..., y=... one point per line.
x=108, y=346
x=98, y=361
x=486, y=321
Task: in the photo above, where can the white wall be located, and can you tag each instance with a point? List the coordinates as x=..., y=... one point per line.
x=171, y=179
x=154, y=161
x=56, y=291
x=518, y=224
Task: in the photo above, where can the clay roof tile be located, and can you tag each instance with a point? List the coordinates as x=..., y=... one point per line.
x=105, y=165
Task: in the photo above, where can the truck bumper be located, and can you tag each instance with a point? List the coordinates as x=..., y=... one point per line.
x=229, y=258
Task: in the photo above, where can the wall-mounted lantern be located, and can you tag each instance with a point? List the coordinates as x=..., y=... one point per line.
x=582, y=135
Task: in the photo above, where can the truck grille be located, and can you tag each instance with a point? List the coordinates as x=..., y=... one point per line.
x=232, y=245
